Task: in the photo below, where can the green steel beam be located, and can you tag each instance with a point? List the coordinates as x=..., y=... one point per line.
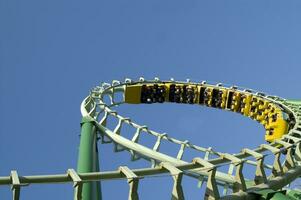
x=97, y=169
x=294, y=194
x=280, y=196
x=87, y=158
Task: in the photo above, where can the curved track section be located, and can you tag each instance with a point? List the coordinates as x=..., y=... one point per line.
x=281, y=119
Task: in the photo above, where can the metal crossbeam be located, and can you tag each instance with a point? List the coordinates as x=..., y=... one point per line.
x=289, y=159
x=277, y=167
x=260, y=175
x=77, y=183
x=212, y=192
x=177, y=190
x=240, y=184
x=133, y=181
x=16, y=185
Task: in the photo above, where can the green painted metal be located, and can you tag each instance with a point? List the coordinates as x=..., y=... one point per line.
x=293, y=101
x=87, y=158
x=280, y=196
x=294, y=194
x=97, y=169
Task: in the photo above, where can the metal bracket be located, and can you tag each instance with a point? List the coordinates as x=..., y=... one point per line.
x=240, y=184
x=296, y=132
x=298, y=152
x=289, y=159
x=118, y=147
x=118, y=127
x=207, y=154
x=158, y=142
x=227, y=185
x=177, y=191
x=135, y=139
x=133, y=181
x=112, y=112
x=137, y=133
x=295, y=139
x=103, y=122
x=212, y=192
x=260, y=176
x=77, y=183
x=182, y=148
x=157, y=146
x=284, y=144
x=16, y=185
x=277, y=167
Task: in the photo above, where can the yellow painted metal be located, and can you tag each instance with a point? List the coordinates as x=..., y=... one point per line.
x=246, y=101
x=263, y=110
x=224, y=98
x=279, y=127
x=235, y=101
x=258, y=108
x=133, y=94
x=167, y=86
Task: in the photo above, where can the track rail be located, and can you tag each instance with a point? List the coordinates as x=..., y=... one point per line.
x=232, y=184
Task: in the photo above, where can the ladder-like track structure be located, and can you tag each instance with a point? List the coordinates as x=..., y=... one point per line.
x=280, y=117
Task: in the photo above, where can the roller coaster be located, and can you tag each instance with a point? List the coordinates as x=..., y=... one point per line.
x=280, y=117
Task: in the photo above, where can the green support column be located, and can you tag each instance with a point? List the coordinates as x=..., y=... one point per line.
x=98, y=185
x=87, y=158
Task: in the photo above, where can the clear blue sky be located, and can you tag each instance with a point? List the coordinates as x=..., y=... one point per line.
x=53, y=52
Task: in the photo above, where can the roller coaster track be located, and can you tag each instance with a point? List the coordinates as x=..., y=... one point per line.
x=284, y=140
